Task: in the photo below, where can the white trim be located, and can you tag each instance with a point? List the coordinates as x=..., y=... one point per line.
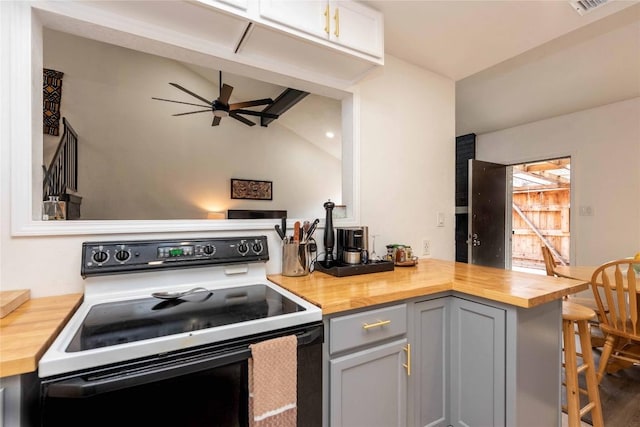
x=23, y=48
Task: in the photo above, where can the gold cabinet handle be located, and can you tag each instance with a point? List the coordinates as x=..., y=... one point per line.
x=408, y=364
x=375, y=325
x=326, y=19
x=336, y=18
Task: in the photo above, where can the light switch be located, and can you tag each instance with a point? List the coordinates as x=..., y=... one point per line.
x=440, y=220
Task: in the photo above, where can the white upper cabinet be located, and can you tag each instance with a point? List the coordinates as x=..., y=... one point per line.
x=331, y=44
x=357, y=27
x=232, y=5
x=345, y=23
x=240, y=4
x=312, y=17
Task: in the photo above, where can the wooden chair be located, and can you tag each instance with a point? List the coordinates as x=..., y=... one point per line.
x=549, y=263
x=616, y=287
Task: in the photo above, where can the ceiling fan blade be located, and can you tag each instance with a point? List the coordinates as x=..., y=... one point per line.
x=216, y=121
x=287, y=99
x=254, y=103
x=242, y=119
x=192, y=112
x=195, y=95
x=256, y=113
x=180, y=102
x=225, y=94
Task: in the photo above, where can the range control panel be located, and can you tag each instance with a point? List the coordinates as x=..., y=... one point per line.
x=121, y=257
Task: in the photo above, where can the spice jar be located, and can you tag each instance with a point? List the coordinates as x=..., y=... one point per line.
x=53, y=209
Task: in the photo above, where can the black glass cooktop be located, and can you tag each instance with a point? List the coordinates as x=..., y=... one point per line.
x=135, y=320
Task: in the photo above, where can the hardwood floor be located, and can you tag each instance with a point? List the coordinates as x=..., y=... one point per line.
x=619, y=396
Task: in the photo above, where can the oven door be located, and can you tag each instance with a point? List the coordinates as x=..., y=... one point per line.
x=204, y=386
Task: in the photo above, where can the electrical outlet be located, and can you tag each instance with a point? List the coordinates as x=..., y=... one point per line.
x=586, y=211
x=426, y=247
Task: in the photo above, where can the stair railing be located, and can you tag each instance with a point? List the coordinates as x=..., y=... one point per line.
x=62, y=174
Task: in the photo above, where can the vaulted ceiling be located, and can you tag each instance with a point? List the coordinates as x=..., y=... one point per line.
x=516, y=62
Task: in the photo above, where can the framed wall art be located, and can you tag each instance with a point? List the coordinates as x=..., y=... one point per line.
x=251, y=189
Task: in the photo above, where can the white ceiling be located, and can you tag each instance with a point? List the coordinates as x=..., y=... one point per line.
x=310, y=119
x=516, y=62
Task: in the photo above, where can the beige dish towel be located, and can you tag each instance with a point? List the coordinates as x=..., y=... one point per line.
x=273, y=383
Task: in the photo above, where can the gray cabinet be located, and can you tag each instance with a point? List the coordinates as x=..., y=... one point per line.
x=369, y=387
x=429, y=383
x=477, y=364
x=459, y=363
x=18, y=398
x=366, y=368
x=481, y=363
x=449, y=360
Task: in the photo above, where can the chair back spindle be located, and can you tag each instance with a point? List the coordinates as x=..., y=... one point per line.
x=615, y=288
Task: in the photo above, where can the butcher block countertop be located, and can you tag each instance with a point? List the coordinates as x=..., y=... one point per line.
x=430, y=276
x=27, y=332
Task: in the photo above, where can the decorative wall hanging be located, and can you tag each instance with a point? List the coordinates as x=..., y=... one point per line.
x=248, y=189
x=51, y=96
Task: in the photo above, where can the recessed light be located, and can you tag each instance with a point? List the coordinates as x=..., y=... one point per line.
x=329, y=134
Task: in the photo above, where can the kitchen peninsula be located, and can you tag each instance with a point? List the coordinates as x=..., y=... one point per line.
x=442, y=343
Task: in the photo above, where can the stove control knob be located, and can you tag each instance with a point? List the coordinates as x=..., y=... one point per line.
x=209, y=249
x=100, y=256
x=123, y=255
x=243, y=248
x=257, y=248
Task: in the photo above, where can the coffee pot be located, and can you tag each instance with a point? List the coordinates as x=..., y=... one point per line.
x=353, y=245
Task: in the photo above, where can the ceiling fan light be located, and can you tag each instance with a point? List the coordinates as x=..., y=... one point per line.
x=220, y=113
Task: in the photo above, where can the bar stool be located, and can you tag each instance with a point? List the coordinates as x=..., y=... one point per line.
x=575, y=314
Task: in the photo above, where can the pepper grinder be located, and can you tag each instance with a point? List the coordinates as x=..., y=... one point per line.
x=364, y=255
x=329, y=237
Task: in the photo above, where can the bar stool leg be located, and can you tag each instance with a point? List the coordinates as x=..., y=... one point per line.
x=572, y=371
x=590, y=374
x=571, y=374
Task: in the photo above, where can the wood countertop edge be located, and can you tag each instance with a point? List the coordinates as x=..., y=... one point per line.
x=331, y=302
x=370, y=301
x=26, y=359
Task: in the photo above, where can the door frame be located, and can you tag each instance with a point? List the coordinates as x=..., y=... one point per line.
x=508, y=244
x=571, y=159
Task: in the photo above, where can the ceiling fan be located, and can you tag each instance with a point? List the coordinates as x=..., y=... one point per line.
x=220, y=107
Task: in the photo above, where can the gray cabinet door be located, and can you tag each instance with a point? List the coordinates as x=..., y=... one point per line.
x=430, y=370
x=477, y=364
x=369, y=388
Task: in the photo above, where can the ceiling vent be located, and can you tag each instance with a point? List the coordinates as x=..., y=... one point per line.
x=586, y=6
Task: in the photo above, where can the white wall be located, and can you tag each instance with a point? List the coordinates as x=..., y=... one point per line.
x=407, y=175
x=408, y=157
x=604, y=145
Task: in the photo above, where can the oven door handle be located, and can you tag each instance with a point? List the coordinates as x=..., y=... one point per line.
x=88, y=385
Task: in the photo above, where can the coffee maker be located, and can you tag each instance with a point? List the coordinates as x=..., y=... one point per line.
x=352, y=245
